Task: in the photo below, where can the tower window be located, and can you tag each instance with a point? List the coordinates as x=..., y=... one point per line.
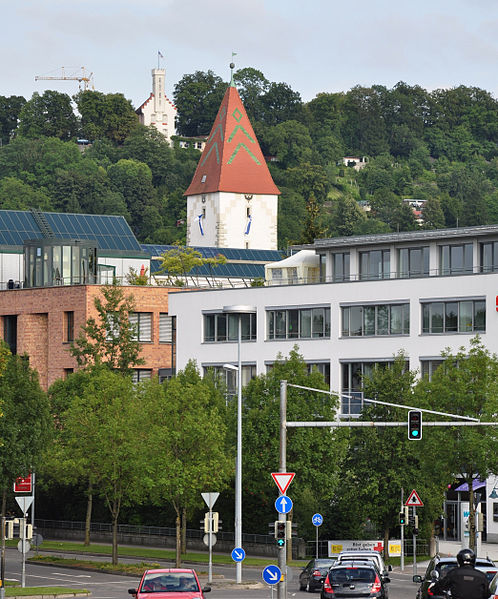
x=203, y=213
x=248, y=211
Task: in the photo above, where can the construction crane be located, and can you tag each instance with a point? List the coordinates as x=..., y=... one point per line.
x=83, y=79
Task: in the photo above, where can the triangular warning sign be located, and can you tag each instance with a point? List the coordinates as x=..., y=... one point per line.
x=283, y=480
x=414, y=499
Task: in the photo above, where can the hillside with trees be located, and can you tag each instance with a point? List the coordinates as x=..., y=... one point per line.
x=439, y=147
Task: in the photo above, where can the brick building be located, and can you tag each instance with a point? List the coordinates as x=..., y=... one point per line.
x=42, y=322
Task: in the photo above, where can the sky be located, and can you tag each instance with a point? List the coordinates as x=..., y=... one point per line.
x=314, y=45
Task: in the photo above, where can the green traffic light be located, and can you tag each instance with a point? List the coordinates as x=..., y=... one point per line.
x=280, y=542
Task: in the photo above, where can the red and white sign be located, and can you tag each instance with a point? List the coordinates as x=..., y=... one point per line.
x=23, y=485
x=414, y=500
x=283, y=480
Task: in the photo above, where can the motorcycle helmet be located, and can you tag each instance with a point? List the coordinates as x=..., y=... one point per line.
x=466, y=557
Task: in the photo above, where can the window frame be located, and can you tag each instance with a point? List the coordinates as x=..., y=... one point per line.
x=435, y=315
x=361, y=318
x=313, y=322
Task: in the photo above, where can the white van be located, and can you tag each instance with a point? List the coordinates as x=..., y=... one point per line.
x=372, y=556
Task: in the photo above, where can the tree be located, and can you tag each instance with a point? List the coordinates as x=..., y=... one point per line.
x=290, y=142
x=291, y=217
x=433, y=214
x=313, y=228
x=133, y=180
x=182, y=260
x=279, y=104
x=466, y=383
x=48, y=115
x=187, y=452
x=306, y=447
x=197, y=98
x=309, y=179
x=346, y=216
x=387, y=207
x=109, y=339
x=25, y=425
x=373, y=492
x=10, y=109
x=108, y=116
x=252, y=86
x=103, y=431
x=16, y=195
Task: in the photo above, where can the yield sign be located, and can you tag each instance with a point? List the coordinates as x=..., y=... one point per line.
x=283, y=480
x=24, y=503
x=414, y=500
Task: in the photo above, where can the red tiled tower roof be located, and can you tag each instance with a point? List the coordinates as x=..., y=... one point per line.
x=232, y=159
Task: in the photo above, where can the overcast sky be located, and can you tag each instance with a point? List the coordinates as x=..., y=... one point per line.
x=312, y=45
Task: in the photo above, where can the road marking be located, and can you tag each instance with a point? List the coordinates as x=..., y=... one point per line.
x=72, y=575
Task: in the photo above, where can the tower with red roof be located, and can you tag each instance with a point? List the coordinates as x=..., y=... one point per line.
x=232, y=200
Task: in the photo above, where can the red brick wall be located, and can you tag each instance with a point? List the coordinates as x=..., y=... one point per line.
x=40, y=324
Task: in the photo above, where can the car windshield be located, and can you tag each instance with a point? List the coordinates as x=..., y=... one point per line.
x=348, y=575
x=173, y=581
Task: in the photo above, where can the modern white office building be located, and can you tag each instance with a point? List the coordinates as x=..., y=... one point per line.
x=420, y=292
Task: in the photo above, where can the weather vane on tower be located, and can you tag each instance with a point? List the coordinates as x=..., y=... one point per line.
x=232, y=66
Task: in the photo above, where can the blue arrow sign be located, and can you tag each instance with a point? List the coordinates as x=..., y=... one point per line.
x=238, y=554
x=283, y=504
x=317, y=519
x=272, y=574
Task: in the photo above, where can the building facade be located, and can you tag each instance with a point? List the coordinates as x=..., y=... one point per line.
x=418, y=292
x=158, y=110
x=42, y=323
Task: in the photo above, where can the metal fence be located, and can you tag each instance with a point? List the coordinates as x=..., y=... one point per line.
x=149, y=531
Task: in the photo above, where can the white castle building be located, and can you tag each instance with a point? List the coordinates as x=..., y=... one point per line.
x=158, y=110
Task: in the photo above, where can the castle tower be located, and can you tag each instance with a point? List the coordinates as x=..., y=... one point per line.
x=158, y=110
x=232, y=200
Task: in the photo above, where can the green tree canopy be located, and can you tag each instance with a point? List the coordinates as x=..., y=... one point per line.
x=110, y=338
x=48, y=115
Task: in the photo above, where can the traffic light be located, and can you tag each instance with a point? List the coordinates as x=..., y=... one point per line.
x=9, y=529
x=280, y=533
x=414, y=425
x=402, y=518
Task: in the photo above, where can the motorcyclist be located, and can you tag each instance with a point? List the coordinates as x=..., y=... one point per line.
x=464, y=582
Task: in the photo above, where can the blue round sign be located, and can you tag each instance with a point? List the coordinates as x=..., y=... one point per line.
x=283, y=504
x=272, y=574
x=238, y=554
x=317, y=519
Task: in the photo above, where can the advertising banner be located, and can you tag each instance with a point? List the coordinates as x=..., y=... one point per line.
x=335, y=547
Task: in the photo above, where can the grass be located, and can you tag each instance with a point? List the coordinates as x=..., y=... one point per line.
x=150, y=553
x=17, y=591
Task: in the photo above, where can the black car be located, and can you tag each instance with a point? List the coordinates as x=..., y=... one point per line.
x=313, y=575
x=442, y=565
x=355, y=581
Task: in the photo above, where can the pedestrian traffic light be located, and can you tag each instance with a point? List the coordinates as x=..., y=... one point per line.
x=280, y=533
x=414, y=425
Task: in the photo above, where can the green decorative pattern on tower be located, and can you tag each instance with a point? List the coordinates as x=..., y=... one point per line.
x=236, y=151
x=215, y=147
x=243, y=131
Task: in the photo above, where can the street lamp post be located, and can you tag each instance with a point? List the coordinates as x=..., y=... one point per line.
x=239, y=310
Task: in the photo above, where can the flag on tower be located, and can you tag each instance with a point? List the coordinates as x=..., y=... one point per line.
x=160, y=54
x=199, y=220
x=248, y=226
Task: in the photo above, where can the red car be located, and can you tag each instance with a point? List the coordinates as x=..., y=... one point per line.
x=170, y=583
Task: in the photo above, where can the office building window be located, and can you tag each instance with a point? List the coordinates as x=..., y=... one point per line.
x=413, y=262
x=10, y=332
x=382, y=319
x=219, y=327
x=466, y=316
x=299, y=323
x=353, y=375
x=142, y=322
x=321, y=367
x=229, y=376
x=166, y=328
x=68, y=327
x=375, y=264
x=489, y=256
x=455, y=259
x=428, y=367
x=141, y=374
x=340, y=266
